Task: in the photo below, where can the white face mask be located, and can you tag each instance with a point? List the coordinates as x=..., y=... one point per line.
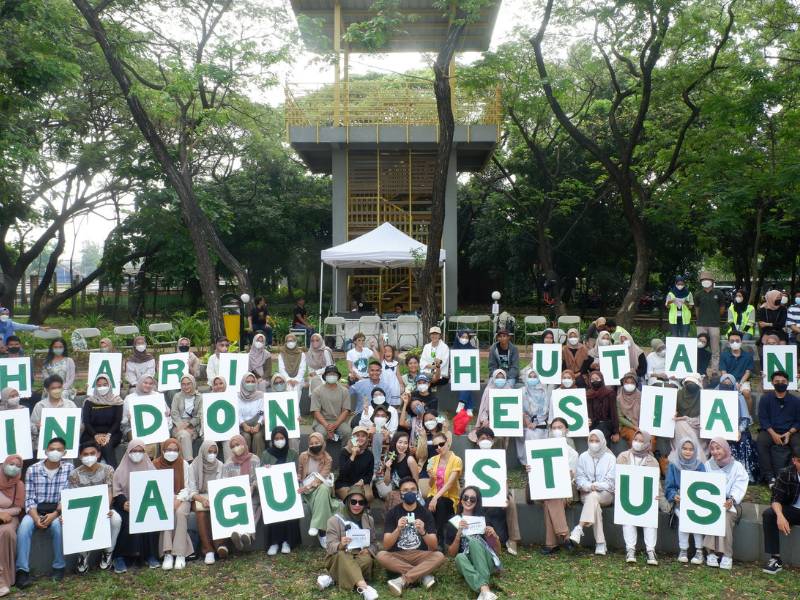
x=629, y=387
x=736, y=345
x=680, y=286
x=258, y=345
x=279, y=444
x=430, y=425
x=4, y=318
x=54, y=455
x=239, y=450
x=573, y=341
x=378, y=399
x=464, y=340
x=102, y=390
x=58, y=351
x=380, y=422
x=211, y=457
x=594, y=446
x=637, y=446
x=706, y=283
x=136, y=457
x=141, y=347
x=485, y=444
x=171, y=455
x=567, y=382
x=422, y=387
x=291, y=345
x=556, y=433
x=662, y=353
x=331, y=378
x=784, y=300
x=604, y=342
x=89, y=460
x=701, y=344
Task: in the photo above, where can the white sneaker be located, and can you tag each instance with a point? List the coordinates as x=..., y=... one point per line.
x=726, y=563
x=576, y=535
x=323, y=541
x=712, y=560
x=167, y=564
x=313, y=531
x=273, y=550
x=369, y=593
x=285, y=549
x=210, y=560
x=428, y=581
x=459, y=407
x=470, y=414
x=697, y=559
x=324, y=581
x=600, y=549
x=683, y=556
x=396, y=586
x=487, y=596
x=180, y=563
x=651, y=558
x=630, y=555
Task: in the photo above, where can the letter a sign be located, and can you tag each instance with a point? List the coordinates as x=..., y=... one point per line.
x=465, y=370
x=719, y=414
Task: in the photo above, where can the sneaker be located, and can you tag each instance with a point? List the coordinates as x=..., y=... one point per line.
x=576, y=535
x=630, y=555
x=683, y=556
x=775, y=565
x=246, y=541
x=58, y=575
x=651, y=558
x=369, y=593
x=470, y=414
x=180, y=563
x=697, y=559
x=285, y=548
x=324, y=581
x=222, y=552
x=600, y=549
x=549, y=550
x=273, y=550
x=313, y=531
x=82, y=565
x=459, y=407
x=153, y=563
x=23, y=579
x=209, y=559
x=428, y=581
x=712, y=560
x=236, y=538
x=726, y=563
x=168, y=562
x=511, y=546
x=323, y=541
x=487, y=596
x=396, y=586
x=105, y=560
x=119, y=565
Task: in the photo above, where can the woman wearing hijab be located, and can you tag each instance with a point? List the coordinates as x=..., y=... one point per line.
x=259, y=360
x=594, y=479
x=57, y=362
x=9, y=399
x=12, y=503
x=314, y=472
x=741, y=316
x=476, y=555
x=185, y=346
x=378, y=399
x=719, y=550
x=640, y=455
x=657, y=362
x=703, y=354
x=251, y=413
x=285, y=535
x=575, y=355
x=206, y=467
x=687, y=416
x=243, y=462
x=679, y=302
x=350, y=567
x=744, y=449
x=629, y=402
x=140, y=363
x=636, y=357
x=175, y=544
x=601, y=404
x=771, y=316
x=535, y=410
x=131, y=546
x=187, y=415
x=101, y=417
x=462, y=342
x=318, y=357
x=106, y=345
x=145, y=387
x=292, y=363
x=685, y=459
x=603, y=339
x=497, y=381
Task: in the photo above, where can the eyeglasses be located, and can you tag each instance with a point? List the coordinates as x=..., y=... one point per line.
x=354, y=502
x=469, y=499
x=441, y=445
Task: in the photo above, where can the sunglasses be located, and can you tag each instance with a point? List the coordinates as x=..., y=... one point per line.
x=354, y=502
x=440, y=445
x=469, y=499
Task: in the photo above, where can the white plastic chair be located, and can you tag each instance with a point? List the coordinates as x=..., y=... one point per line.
x=156, y=328
x=370, y=326
x=408, y=326
x=125, y=331
x=334, y=326
x=567, y=322
x=534, y=326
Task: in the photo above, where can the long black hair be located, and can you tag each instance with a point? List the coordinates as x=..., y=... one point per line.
x=50, y=354
x=397, y=435
x=478, y=510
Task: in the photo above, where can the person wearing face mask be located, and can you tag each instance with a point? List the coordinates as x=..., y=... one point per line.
x=12, y=348
x=53, y=398
x=318, y=357
x=793, y=320
x=8, y=327
x=314, y=473
x=535, y=411
x=187, y=415
x=206, y=467
x=703, y=354
x=709, y=303
x=779, y=423
x=259, y=360
x=12, y=506
x=145, y=387
x=575, y=355
x=640, y=455
x=286, y=534
x=657, y=361
x=445, y=469
x=9, y=399
x=176, y=544
x=101, y=417
x=292, y=363
x=684, y=458
x=601, y=404
x=132, y=546
x=771, y=315
x=594, y=478
x=687, y=415
x=44, y=481
x=331, y=406
x=603, y=339
x=679, y=303
x=243, y=462
x=741, y=316
x=569, y=381
x=497, y=381
x=221, y=346
x=398, y=464
x=185, y=346
x=422, y=398
x=356, y=464
x=629, y=400
x=505, y=356
x=391, y=380
x=739, y=364
x=92, y=472
x=140, y=363
x=390, y=419
x=462, y=341
x=57, y=362
x=636, y=358
x=744, y=449
x=361, y=391
x=251, y=412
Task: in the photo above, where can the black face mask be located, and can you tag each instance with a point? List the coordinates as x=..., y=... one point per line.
x=183, y=348
x=315, y=449
x=780, y=387
x=13, y=350
x=691, y=387
x=597, y=384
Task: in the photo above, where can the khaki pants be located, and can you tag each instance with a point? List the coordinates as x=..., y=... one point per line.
x=255, y=441
x=177, y=541
x=512, y=519
x=411, y=564
x=348, y=568
x=724, y=544
x=713, y=340
x=592, y=513
x=185, y=438
x=556, y=529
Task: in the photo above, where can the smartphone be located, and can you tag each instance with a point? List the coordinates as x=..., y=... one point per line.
x=354, y=441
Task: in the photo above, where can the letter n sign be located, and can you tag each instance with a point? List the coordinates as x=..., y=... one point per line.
x=635, y=500
x=505, y=412
x=465, y=370
x=780, y=358
x=60, y=422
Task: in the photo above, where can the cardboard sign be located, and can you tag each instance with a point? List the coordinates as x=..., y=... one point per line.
x=635, y=498
x=702, y=503
x=282, y=408
x=486, y=470
x=220, y=416
x=657, y=412
x=779, y=358
x=232, y=367
x=86, y=525
x=719, y=414
x=614, y=363
x=277, y=490
x=171, y=369
x=549, y=476
x=505, y=412
x=546, y=361
x=681, y=357
x=108, y=364
x=359, y=538
x=230, y=507
x=152, y=501
x=571, y=406
x=16, y=374
x=15, y=433
x=465, y=370
x=148, y=419
x=60, y=422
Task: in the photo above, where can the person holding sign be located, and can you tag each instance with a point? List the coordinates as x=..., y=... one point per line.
x=535, y=411
x=348, y=561
x=292, y=363
x=284, y=534
x=504, y=355
x=316, y=481
x=185, y=345
x=251, y=413
x=243, y=462
x=57, y=362
x=187, y=415
x=783, y=512
x=601, y=404
x=43, y=484
x=640, y=455
x=497, y=381
x=356, y=464
x=594, y=479
x=221, y=346
x=686, y=458
x=779, y=422
x=444, y=470
x=145, y=387
x=53, y=398
x=204, y=468
x=603, y=339
x=9, y=399
x=12, y=505
x=744, y=449
x=176, y=544
x=462, y=341
x=101, y=417
x=475, y=553
x=738, y=363
x=140, y=363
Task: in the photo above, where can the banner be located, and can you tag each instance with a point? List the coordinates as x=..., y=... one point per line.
x=549, y=476
x=681, y=357
x=546, y=361
x=635, y=498
x=232, y=367
x=108, y=364
x=657, y=412
x=282, y=408
x=465, y=370
x=231, y=507
x=779, y=358
x=220, y=416
x=614, y=363
x=719, y=414
x=277, y=490
x=171, y=369
x=486, y=470
x=148, y=418
x=60, y=422
x=86, y=525
x=152, y=501
x=15, y=433
x=16, y=374
x=571, y=406
x=702, y=500
x=505, y=412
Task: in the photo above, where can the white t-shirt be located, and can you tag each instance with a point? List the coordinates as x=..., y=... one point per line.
x=360, y=360
x=430, y=352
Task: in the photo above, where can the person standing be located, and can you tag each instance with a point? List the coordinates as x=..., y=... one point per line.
x=221, y=346
x=9, y=327
x=679, y=303
x=708, y=304
x=782, y=513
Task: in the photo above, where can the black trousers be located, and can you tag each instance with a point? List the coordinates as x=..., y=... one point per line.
x=769, y=523
x=443, y=513
x=771, y=457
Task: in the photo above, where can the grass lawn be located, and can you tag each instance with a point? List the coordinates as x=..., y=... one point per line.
x=529, y=575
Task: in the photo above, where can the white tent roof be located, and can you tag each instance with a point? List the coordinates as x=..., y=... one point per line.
x=385, y=246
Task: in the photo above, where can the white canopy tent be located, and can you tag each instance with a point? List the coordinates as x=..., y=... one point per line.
x=383, y=247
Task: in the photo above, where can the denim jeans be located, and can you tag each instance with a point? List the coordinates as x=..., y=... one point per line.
x=24, y=535
x=679, y=330
x=465, y=397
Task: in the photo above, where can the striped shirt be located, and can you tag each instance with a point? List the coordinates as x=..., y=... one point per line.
x=39, y=487
x=792, y=317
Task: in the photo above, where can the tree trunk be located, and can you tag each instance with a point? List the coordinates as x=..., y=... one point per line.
x=545, y=255
x=755, y=271
x=44, y=283
x=641, y=270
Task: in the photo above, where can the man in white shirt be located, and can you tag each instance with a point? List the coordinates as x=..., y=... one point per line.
x=436, y=355
x=212, y=369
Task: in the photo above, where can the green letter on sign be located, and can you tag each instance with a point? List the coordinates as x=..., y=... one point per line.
x=625, y=495
x=681, y=357
x=492, y=487
x=555, y=363
x=105, y=369
x=499, y=411
x=291, y=493
x=613, y=354
x=93, y=504
x=239, y=516
x=657, y=410
x=151, y=499
x=718, y=412
x=228, y=416
x=565, y=403
x=773, y=364
x=11, y=438
x=547, y=455
x=470, y=369
x=21, y=377
x=275, y=412
x=52, y=429
x=171, y=367
x=232, y=372
x=713, y=510
x=138, y=414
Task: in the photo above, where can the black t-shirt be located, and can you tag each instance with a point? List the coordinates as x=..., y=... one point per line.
x=259, y=317
x=299, y=313
x=400, y=469
x=350, y=472
x=409, y=538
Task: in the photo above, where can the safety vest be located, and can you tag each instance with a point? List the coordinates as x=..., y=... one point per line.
x=747, y=323
x=673, y=310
